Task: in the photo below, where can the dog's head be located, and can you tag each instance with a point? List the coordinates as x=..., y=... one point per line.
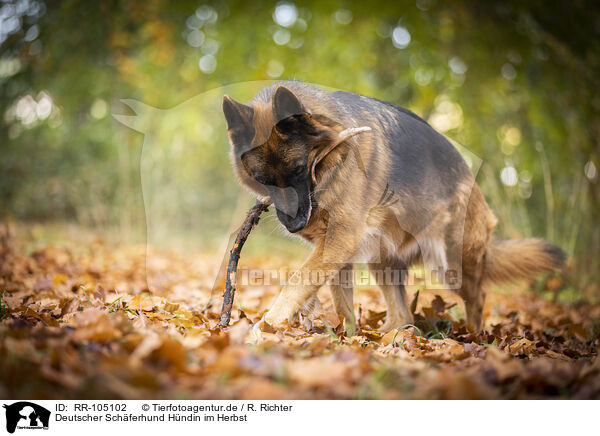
x=273, y=148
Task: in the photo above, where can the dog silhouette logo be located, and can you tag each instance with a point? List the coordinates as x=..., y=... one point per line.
x=26, y=415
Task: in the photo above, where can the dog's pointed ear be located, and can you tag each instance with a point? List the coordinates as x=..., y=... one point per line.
x=239, y=122
x=286, y=104
x=237, y=115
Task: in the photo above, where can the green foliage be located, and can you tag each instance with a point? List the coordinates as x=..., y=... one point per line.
x=515, y=83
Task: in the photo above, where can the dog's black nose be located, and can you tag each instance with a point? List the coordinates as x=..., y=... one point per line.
x=294, y=224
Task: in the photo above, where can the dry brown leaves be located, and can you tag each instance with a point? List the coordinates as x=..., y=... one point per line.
x=85, y=325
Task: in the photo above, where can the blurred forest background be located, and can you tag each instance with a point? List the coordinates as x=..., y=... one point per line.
x=516, y=83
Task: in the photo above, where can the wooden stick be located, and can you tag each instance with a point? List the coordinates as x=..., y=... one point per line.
x=251, y=220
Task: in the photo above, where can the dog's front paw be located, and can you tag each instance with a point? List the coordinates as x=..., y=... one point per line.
x=283, y=312
x=277, y=319
x=270, y=323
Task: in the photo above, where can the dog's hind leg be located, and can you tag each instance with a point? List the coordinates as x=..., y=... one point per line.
x=473, y=294
x=390, y=274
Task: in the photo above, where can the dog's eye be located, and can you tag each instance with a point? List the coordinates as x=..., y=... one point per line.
x=298, y=171
x=288, y=125
x=262, y=179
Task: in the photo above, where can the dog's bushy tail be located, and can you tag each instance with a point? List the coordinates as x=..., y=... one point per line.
x=521, y=259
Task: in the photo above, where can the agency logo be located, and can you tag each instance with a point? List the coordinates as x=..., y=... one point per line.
x=26, y=415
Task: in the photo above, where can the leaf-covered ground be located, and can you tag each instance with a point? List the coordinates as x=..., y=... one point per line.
x=80, y=322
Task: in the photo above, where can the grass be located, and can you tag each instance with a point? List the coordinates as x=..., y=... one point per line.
x=330, y=332
x=3, y=309
x=114, y=306
x=440, y=330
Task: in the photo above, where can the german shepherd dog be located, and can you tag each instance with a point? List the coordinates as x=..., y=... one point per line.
x=362, y=178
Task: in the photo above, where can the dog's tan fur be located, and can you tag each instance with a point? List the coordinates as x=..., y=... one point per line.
x=438, y=225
